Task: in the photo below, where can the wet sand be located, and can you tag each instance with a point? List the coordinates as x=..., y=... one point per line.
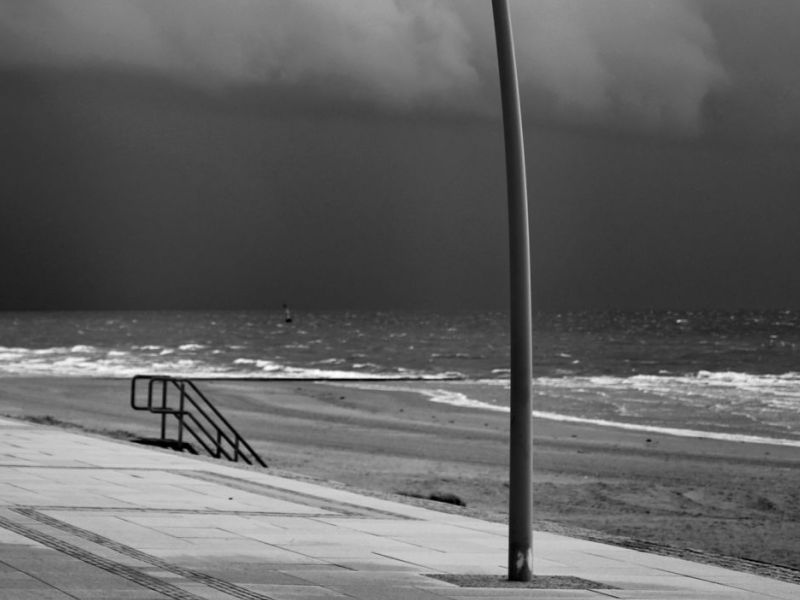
x=729, y=498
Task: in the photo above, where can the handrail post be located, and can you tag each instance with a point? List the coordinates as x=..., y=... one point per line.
x=180, y=414
x=133, y=392
x=163, y=406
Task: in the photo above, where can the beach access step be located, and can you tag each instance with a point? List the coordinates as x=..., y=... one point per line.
x=195, y=415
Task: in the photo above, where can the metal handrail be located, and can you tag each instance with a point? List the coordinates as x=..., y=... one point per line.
x=196, y=415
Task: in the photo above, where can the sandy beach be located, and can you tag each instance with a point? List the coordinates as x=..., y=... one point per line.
x=728, y=498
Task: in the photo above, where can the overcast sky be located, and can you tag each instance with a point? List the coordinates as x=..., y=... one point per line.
x=348, y=154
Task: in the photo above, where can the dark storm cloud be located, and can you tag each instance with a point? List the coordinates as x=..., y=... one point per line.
x=662, y=66
x=759, y=45
x=395, y=53
x=636, y=64
x=650, y=64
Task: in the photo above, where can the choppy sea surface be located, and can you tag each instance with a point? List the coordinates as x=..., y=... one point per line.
x=730, y=375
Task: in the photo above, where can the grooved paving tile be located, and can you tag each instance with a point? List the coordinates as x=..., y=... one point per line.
x=190, y=586
x=329, y=537
x=47, y=571
x=65, y=566
x=126, y=532
x=240, y=550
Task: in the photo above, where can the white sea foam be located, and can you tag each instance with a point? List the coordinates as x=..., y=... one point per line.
x=81, y=348
x=439, y=395
x=331, y=361
x=367, y=365
x=462, y=399
x=268, y=368
x=89, y=361
x=692, y=433
x=191, y=347
x=724, y=388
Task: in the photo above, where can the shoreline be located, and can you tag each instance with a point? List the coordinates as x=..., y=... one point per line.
x=422, y=385
x=722, y=497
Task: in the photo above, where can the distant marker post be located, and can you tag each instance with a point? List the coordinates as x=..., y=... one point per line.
x=520, y=510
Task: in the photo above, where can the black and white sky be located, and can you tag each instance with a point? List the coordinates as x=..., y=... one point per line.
x=348, y=154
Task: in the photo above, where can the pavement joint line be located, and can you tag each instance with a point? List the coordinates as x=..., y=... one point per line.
x=105, y=564
x=189, y=574
x=338, y=506
x=605, y=593
x=75, y=466
x=408, y=562
x=177, y=511
x=707, y=580
x=744, y=565
x=342, y=509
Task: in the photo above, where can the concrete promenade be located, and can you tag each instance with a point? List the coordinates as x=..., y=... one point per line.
x=86, y=517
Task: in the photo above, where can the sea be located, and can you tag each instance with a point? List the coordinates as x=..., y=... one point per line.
x=731, y=375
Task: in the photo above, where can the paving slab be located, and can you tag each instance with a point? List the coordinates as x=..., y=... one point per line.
x=84, y=517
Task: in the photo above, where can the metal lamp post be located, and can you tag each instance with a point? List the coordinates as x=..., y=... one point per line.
x=520, y=538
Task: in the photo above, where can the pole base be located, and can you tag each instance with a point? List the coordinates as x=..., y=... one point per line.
x=520, y=564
